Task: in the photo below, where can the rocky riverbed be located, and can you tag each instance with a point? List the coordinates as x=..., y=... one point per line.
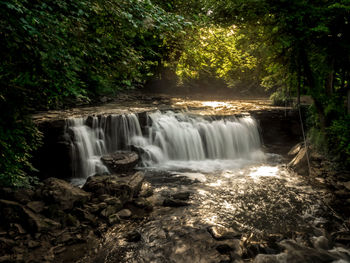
x=261, y=212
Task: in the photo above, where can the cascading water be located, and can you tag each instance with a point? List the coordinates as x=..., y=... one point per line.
x=169, y=137
x=93, y=137
x=177, y=136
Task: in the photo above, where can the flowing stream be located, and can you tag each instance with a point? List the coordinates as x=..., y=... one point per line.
x=231, y=183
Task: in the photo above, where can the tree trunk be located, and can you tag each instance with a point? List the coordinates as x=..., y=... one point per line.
x=348, y=100
x=330, y=79
x=298, y=88
x=311, y=82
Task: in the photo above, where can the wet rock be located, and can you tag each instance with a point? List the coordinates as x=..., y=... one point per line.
x=299, y=163
x=94, y=208
x=343, y=194
x=124, y=213
x=114, y=201
x=222, y=233
x=109, y=210
x=113, y=219
x=6, y=258
x=297, y=253
x=174, y=203
x=342, y=237
x=101, y=206
x=224, y=249
x=64, y=194
x=347, y=185
x=65, y=237
x=146, y=190
x=121, y=162
x=19, y=229
x=13, y=212
x=85, y=215
x=143, y=203
x=36, y=206
x=70, y=220
x=262, y=258
x=133, y=236
x=320, y=242
x=33, y=244
x=125, y=188
x=23, y=195
x=103, y=197
x=184, y=196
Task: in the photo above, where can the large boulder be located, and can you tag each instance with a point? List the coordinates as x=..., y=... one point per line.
x=63, y=194
x=13, y=212
x=299, y=163
x=125, y=188
x=121, y=162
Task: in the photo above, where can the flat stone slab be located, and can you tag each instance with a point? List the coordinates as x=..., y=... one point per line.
x=121, y=162
x=125, y=188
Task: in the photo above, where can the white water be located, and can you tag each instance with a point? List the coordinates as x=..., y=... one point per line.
x=177, y=140
x=103, y=135
x=173, y=141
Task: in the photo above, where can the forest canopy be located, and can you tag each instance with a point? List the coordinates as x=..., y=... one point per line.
x=57, y=54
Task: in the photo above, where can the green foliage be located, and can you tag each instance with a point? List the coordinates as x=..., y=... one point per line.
x=339, y=139
x=213, y=53
x=280, y=98
x=57, y=53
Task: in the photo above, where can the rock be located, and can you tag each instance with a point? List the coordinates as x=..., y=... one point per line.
x=343, y=194
x=113, y=219
x=103, y=197
x=6, y=258
x=94, y=208
x=320, y=242
x=85, y=215
x=347, y=185
x=64, y=194
x=224, y=249
x=184, y=196
x=13, y=212
x=114, y=201
x=295, y=149
x=133, y=236
x=102, y=206
x=125, y=188
x=109, y=210
x=23, y=195
x=174, y=203
x=143, y=203
x=5, y=242
x=342, y=237
x=65, y=237
x=71, y=220
x=222, y=233
x=146, y=190
x=121, y=162
x=124, y=214
x=19, y=229
x=33, y=244
x=36, y=206
x=299, y=163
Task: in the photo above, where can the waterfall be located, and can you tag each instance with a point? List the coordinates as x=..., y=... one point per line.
x=168, y=136
x=178, y=136
x=92, y=137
